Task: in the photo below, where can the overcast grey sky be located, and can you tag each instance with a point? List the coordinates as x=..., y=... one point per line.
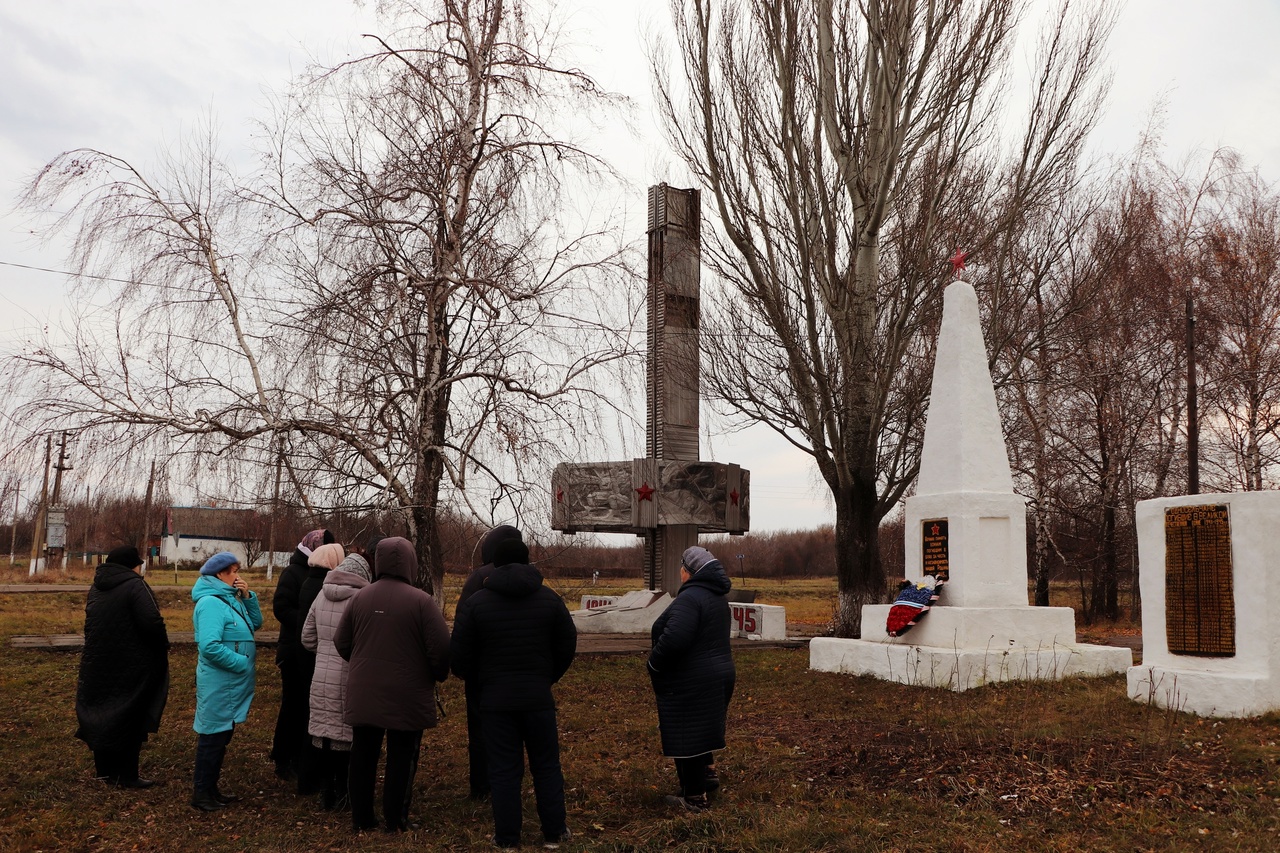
x=129, y=76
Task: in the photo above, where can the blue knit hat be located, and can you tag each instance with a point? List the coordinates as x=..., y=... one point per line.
x=218, y=562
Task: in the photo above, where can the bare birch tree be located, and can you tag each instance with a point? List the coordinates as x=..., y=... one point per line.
x=399, y=301
x=846, y=149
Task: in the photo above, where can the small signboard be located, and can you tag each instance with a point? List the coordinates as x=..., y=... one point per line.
x=934, y=549
x=57, y=528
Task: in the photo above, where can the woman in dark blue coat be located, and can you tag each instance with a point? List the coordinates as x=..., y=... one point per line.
x=691, y=667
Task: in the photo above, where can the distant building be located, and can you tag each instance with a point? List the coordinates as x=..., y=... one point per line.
x=199, y=532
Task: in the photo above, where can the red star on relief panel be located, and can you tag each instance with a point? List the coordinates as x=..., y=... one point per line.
x=559, y=496
x=646, y=492
x=957, y=261
x=733, y=496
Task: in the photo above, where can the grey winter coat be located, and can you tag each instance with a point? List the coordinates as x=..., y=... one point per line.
x=397, y=643
x=329, y=684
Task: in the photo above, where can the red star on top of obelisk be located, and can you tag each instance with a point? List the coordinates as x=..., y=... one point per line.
x=957, y=261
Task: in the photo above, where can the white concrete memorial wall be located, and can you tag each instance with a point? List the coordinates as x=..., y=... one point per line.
x=1210, y=634
x=966, y=525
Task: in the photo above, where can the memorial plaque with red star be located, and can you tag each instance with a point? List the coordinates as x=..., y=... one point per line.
x=934, y=552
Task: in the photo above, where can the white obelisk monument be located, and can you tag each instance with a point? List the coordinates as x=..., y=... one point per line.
x=967, y=524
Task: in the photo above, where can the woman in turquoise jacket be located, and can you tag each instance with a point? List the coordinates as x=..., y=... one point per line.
x=225, y=617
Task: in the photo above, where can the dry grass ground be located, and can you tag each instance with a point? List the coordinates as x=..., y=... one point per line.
x=815, y=762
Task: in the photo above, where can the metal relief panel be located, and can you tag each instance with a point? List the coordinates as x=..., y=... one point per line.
x=592, y=496
x=1199, y=596
x=693, y=493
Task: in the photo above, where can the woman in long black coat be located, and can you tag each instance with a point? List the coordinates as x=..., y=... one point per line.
x=691, y=667
x=124, y=670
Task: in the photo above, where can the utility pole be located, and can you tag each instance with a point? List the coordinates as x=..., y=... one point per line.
x=1193, y=417
x=146, y=519
x=88, y=517
x=13, y=531
x=275, y=510
x=37, y=535
x=56, y=514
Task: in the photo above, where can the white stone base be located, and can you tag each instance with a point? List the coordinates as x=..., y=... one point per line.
x=635, y=613
x=963, y=647
x=757, y=621
x=1209, y=694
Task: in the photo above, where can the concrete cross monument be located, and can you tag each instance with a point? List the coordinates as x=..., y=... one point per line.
x=670, y=496
x=966, y=524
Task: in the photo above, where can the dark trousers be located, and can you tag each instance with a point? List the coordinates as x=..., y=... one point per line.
x=291, y=741
x=507, y=736
x=118, y=763
x=332, y=770
x=397, y=788
x=477, y=759
x=211, y=750
x=692, y=773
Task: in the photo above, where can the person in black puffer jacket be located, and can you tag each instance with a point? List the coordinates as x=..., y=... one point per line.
x=124, y=670
x=691, y=668
x=515, y=639
x=477, y=760
x=307, y=760
x=296, y=663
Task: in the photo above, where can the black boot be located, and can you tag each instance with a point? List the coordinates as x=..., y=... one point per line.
x=225, y=799
x=206, y=801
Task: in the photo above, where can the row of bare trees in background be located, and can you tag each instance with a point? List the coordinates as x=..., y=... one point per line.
x=1092, y=355
x=405, y=310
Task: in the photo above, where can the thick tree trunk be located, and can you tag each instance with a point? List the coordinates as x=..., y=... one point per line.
x=424, y=513
x=860, y=577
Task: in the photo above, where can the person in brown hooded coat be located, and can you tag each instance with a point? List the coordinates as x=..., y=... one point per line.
x=397, y=644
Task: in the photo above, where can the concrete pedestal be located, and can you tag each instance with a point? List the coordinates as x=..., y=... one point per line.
x=959, y=648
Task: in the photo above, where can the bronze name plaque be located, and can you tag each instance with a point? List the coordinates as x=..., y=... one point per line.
x=934, y=549
x=1199, y=602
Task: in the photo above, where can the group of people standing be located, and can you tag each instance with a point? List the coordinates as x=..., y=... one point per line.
x=362, y=651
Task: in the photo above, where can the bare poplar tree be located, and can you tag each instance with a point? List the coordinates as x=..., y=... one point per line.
x=847, y=147
x=401, y=301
